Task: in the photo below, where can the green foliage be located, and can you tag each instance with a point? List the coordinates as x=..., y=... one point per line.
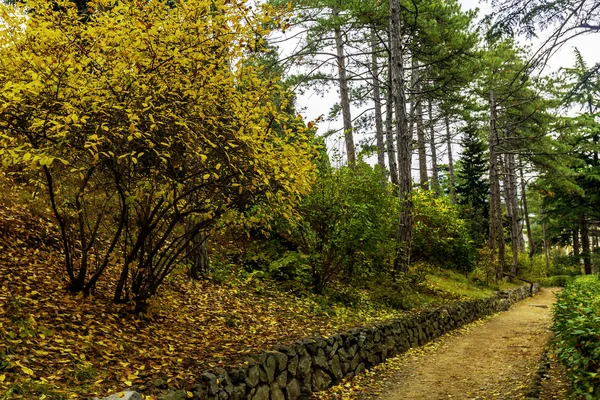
x=485, y=269
x=532, y=268
x=577, y=329
x=347, y=224
x=555, y=281
x=440, y=237
x=565, y=265
x=472, y=188
x=399, y=294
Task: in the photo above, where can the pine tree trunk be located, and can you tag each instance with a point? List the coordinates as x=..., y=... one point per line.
x=585, y=244
x=417, y=114
x=515, y=198
x=377, y=101
x=389, y=132
x=404, y=138
x=496, y=239
x=546, y=244
x=344, y=95
x=526, y=215
x=435, y=183
x=512, y=209
x=450, y=160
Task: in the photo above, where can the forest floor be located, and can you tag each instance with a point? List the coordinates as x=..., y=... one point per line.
x=55, y=345
x=494, y=358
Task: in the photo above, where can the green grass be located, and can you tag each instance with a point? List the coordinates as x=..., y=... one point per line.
x=456, y=285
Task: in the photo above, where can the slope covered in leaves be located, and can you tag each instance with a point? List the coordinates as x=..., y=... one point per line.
x=55, y=345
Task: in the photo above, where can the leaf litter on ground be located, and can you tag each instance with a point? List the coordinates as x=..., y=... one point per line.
x=59, y=345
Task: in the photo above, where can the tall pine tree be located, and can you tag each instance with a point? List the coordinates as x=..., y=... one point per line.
x=473, y=187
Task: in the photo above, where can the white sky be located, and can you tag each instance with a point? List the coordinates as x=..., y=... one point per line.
x=312, y=105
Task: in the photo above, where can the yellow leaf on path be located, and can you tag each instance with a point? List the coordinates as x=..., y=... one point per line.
x=28, y=371
x=2, y=378
x=189, y=394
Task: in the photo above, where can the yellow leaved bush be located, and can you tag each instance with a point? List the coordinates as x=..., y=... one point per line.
x=146, y=121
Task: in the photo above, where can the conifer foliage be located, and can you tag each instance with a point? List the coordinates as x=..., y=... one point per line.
x=473, y=187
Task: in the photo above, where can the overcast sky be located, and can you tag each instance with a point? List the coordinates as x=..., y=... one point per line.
x=313, y=105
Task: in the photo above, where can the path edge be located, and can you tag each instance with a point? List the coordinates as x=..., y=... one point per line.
x=294, y=372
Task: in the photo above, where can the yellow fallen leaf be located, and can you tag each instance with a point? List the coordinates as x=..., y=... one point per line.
x=189, y=394
x=28, y=371
x=2, y=378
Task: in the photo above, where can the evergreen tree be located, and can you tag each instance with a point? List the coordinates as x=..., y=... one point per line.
x=473, y=187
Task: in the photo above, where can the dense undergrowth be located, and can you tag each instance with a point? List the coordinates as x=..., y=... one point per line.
x=56, y=345
x=577, y=335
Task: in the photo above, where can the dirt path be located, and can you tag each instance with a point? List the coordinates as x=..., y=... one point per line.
x=493, y=360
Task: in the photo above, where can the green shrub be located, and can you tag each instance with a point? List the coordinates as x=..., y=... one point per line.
x=485, y=270
x=348, y=225
x=440, y=237
x=532, y=268
x=565, y=265
x=555, y=281
x=577, y=335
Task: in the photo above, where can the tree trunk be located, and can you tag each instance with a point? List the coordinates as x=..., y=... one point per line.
x=377, y=101
x=585, y=244
x=526, y=215
x=344, y=95
x=417, y=114
x=389, y=131
x=197, y=255
x=512, y=209
x=515, y=197
x=435, y=183
x=576, y=250
x=404, y=138
x=496, y=240
x=450, y=160
x=546, y=245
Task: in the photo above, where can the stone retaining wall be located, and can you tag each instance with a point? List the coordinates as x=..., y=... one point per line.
x=294, y=371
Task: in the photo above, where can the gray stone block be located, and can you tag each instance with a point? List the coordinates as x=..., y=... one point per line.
x=292, y=390
x=262, y=393
x=320, y=380
x=124, y=395
x=253, y=376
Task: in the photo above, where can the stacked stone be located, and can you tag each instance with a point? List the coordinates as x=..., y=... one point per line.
x=310, y=365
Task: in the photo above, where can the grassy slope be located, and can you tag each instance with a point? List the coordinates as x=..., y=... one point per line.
x=56, y=345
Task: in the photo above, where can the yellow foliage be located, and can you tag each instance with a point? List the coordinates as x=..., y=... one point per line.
x=170, y=89
x=149, y=119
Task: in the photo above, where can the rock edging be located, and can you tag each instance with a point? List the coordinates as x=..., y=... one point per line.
x=535, y=386
x=292, y=372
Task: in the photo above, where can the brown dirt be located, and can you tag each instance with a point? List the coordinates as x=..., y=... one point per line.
x=494, y=358
x=555, y=385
